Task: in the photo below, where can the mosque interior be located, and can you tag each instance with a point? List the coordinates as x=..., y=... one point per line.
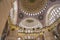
x=32, y=20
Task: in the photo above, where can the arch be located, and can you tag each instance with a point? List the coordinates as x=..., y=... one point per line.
x=30, y=23
x=53, y=14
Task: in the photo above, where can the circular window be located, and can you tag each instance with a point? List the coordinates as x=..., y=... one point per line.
x=20, y=15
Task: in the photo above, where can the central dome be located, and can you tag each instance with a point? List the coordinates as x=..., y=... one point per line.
x=32, y=6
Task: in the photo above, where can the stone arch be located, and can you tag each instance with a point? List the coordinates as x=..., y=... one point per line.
x=30, y=23
x=53, y=14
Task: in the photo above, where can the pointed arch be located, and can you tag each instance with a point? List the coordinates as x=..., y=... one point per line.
x=53, y=14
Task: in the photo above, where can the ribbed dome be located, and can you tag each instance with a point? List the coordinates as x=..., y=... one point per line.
x=32, y=6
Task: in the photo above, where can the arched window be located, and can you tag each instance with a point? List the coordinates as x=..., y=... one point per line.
x=53, y=14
